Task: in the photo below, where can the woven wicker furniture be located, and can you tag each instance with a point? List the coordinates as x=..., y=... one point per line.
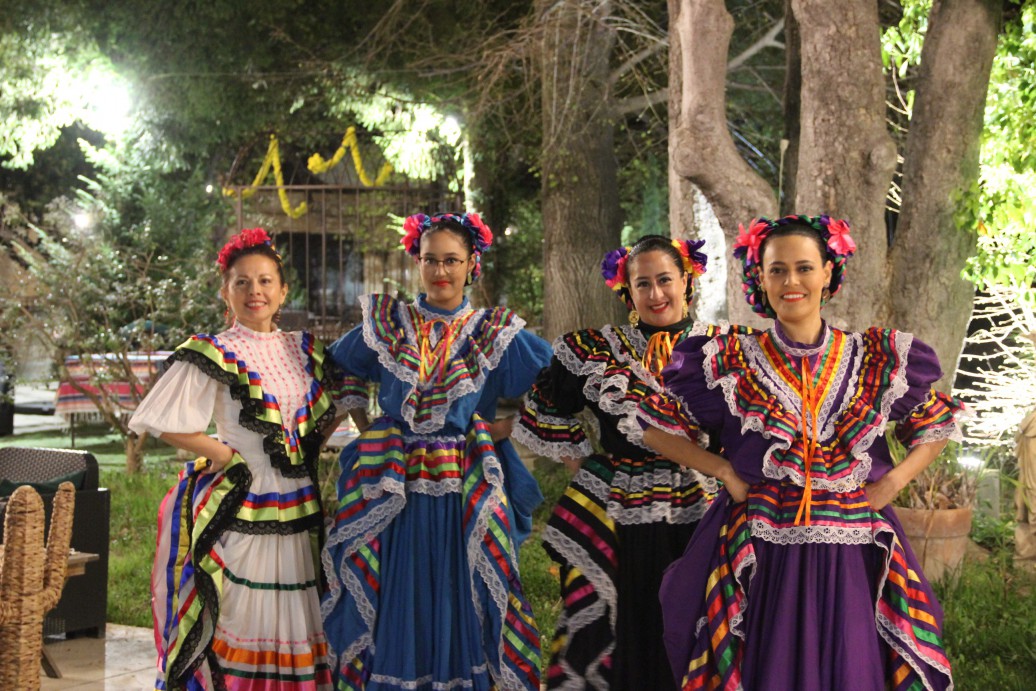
x=31, y=579
x=83, y=606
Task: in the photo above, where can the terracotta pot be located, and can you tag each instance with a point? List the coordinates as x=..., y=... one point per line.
x=939, y=537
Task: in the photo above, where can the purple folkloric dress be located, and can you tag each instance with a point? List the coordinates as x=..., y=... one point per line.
x=422, y=561
x=235, y=580
x=627, y=514
x=803, y=586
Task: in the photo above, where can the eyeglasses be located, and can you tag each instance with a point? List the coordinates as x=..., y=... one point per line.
x=449, y=264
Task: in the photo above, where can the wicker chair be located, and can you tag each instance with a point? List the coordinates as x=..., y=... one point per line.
x=83, y=606
x=31, y=578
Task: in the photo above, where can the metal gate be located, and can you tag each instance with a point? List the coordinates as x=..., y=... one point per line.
x=344, y=246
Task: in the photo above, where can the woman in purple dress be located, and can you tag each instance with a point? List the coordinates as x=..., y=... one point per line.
x=799, y=576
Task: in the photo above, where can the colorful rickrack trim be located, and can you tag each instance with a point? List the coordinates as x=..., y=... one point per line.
x=202, y=508
x=292, y=452
x=391, y=328
x=374, y=491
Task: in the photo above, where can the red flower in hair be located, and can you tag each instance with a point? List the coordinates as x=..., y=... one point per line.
x=752, y=238
x=249, y=237
x=413, y=226
x=839, y=241
x=485, y=235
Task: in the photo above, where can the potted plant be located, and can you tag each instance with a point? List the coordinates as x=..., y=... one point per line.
x=936, y=509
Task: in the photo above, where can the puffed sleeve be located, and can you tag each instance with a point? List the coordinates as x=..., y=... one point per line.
x=687, y=407
x=923, y=414
x=355, y=365
x=182, y=401
x=526, y=355
x=546, y=422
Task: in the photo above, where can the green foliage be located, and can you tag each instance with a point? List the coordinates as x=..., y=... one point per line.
x=1000, y=207
x=646, y=204
x=988, y=624
x=135, y=500
x=1004, y=212
x=49, y=80
x=515, y=262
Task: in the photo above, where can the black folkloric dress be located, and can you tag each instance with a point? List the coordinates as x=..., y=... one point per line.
x=627, y=514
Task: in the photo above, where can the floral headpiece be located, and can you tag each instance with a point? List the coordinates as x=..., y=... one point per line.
x=417, y=225
x=249, y=237
x=834, y=232
x=616, y=276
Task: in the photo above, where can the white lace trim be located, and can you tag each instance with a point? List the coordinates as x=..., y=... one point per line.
x=464, y=387
x=803, y=534
x=351, y=402
x=899, y=385
x=435, y=488
x=426, y=682
x=481, y=565
x=593, y=675
x=789, y=399
x=888, y=631
x=554, y=450
x=952, y=432
x=607, y=595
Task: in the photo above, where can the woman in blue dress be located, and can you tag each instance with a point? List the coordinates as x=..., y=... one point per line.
x=422, y=561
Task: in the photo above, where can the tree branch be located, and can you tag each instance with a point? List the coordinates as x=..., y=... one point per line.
x=767, y=40
x=640, y=103
x=635, y=60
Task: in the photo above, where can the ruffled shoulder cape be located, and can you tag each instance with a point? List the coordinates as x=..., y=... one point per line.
x=391, y=329
x=292, y=452
x=858, y=377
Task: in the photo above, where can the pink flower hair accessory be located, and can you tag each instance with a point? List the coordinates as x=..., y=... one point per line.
x=479, y=234
x=834, y=234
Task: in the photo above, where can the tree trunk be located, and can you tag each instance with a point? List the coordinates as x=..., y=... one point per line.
x=842, y=154
x=701, y=151
x=927, y=295
x=581, y=214
x=134, y=452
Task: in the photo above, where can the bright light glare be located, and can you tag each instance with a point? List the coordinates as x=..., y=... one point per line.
x=971, y=462
x=82, y=220
x=108, y=103
x=208, y=188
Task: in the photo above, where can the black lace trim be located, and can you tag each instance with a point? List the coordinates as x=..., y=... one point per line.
x=298, y=525
x=183, y=667
x=252, y=409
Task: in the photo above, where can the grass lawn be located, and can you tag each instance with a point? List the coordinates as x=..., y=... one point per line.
x=990, y=609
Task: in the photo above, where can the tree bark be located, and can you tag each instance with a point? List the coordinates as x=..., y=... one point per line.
x=581, y=214
x=842, y=154
x=701, y=151
x=927, y=295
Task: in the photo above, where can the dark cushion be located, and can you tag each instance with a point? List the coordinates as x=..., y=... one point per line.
x=45, y=487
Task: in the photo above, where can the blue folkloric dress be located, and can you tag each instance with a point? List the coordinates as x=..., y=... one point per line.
x=422, y=561
x=235, y=580
x=627, y=514
x=804, y=586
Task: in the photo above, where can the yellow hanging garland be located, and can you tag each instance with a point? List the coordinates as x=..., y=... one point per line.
x=318, y=165
x=273, y=158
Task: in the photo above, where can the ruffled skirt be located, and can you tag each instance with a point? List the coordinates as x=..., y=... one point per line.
x=617, y=527
x=422, y=564
x=839, y=605
x=235, y=587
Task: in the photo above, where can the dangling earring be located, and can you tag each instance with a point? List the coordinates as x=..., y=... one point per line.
x=686, y=310
x=825, y=295
x=277, y=316
x=470, y=278
x=228, y=318
x=634, y=317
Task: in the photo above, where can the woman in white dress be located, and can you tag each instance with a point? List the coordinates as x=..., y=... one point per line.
x=235, y=580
